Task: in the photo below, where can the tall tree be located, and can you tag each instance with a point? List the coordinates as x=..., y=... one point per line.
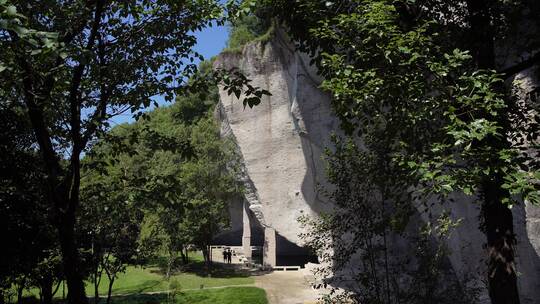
x=209, y=183
x=28, y=237
x=109, y=222
x=74, y=65
x=431, y=74
x=173, y=165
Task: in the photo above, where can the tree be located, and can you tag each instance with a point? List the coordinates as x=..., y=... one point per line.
x=209, y=183
x=30, y=255
x=101, y=58
x=426, y=72
x=48, y=273
x=372, y=246
x=109, y=223
x=175, y=168
x=189, y=173
x=244, y=29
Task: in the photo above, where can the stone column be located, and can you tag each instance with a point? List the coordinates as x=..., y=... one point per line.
x=246, y=234
x=269, y=249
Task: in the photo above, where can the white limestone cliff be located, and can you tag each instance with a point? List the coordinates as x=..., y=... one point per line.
x=281, y=142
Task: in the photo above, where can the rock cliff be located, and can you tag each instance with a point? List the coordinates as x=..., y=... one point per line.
x=281, y=142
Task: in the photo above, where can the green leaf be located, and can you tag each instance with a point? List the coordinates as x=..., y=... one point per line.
x=11, y=10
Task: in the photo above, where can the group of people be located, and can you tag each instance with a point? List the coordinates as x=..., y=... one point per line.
x=227, y=255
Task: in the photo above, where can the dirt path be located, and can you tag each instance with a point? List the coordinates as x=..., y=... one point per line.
x=287, y=287
x=282, y=287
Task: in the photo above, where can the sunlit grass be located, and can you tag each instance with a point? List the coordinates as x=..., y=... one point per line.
x=137, y=279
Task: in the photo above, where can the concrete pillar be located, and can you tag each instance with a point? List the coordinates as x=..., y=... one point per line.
x=246, y=234
x=269, y=249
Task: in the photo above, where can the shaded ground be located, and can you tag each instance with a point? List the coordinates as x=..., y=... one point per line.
x=226, y=295
x=221, y=295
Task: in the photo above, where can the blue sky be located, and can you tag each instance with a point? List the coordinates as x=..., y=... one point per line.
x=210, y=42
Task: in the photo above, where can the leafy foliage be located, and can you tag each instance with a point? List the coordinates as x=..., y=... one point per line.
x=373, y=245
x=109, y=225
x=30, y=252
x=376, y=69
x=72, y=66
x=424, y=78
x=244, y=29
x=173, y=166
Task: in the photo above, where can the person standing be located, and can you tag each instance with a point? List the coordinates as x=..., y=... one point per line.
x=229, y=256
x=225, y=257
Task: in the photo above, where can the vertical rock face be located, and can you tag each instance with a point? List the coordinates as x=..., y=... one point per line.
x=526, y=216
x=281, y=142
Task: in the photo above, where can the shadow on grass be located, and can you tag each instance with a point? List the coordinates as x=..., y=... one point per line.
x=159, y=298
x=140, y=299
x=232, y=295
x=218, y=270
x=143, y=287
x=127, y=299
x=159, y=262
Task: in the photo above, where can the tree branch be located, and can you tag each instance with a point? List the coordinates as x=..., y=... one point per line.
x=98, y=116
x=75, y=110
x=101, y=110
x=74, y=94
x=49, y=81
x=37, y=119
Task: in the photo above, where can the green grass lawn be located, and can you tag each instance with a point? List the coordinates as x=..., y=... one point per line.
x=137, y=279
x=228, y=295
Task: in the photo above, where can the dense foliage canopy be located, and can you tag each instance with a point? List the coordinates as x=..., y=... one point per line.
x=72, y=66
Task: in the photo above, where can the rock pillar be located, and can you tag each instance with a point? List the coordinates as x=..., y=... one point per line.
x=269, y=256
x=246, y=234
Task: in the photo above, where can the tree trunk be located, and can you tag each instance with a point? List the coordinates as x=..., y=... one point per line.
x=97, y=280
x=183, y=256
x=111, y=282
x=56, y=289
x=96, y=291
x=498, y=227
x=20, y=289
x=46, y=291
x=207, y=257
x=70, y=258
x=497, y=223
x=170, y=263
x=63, y=187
